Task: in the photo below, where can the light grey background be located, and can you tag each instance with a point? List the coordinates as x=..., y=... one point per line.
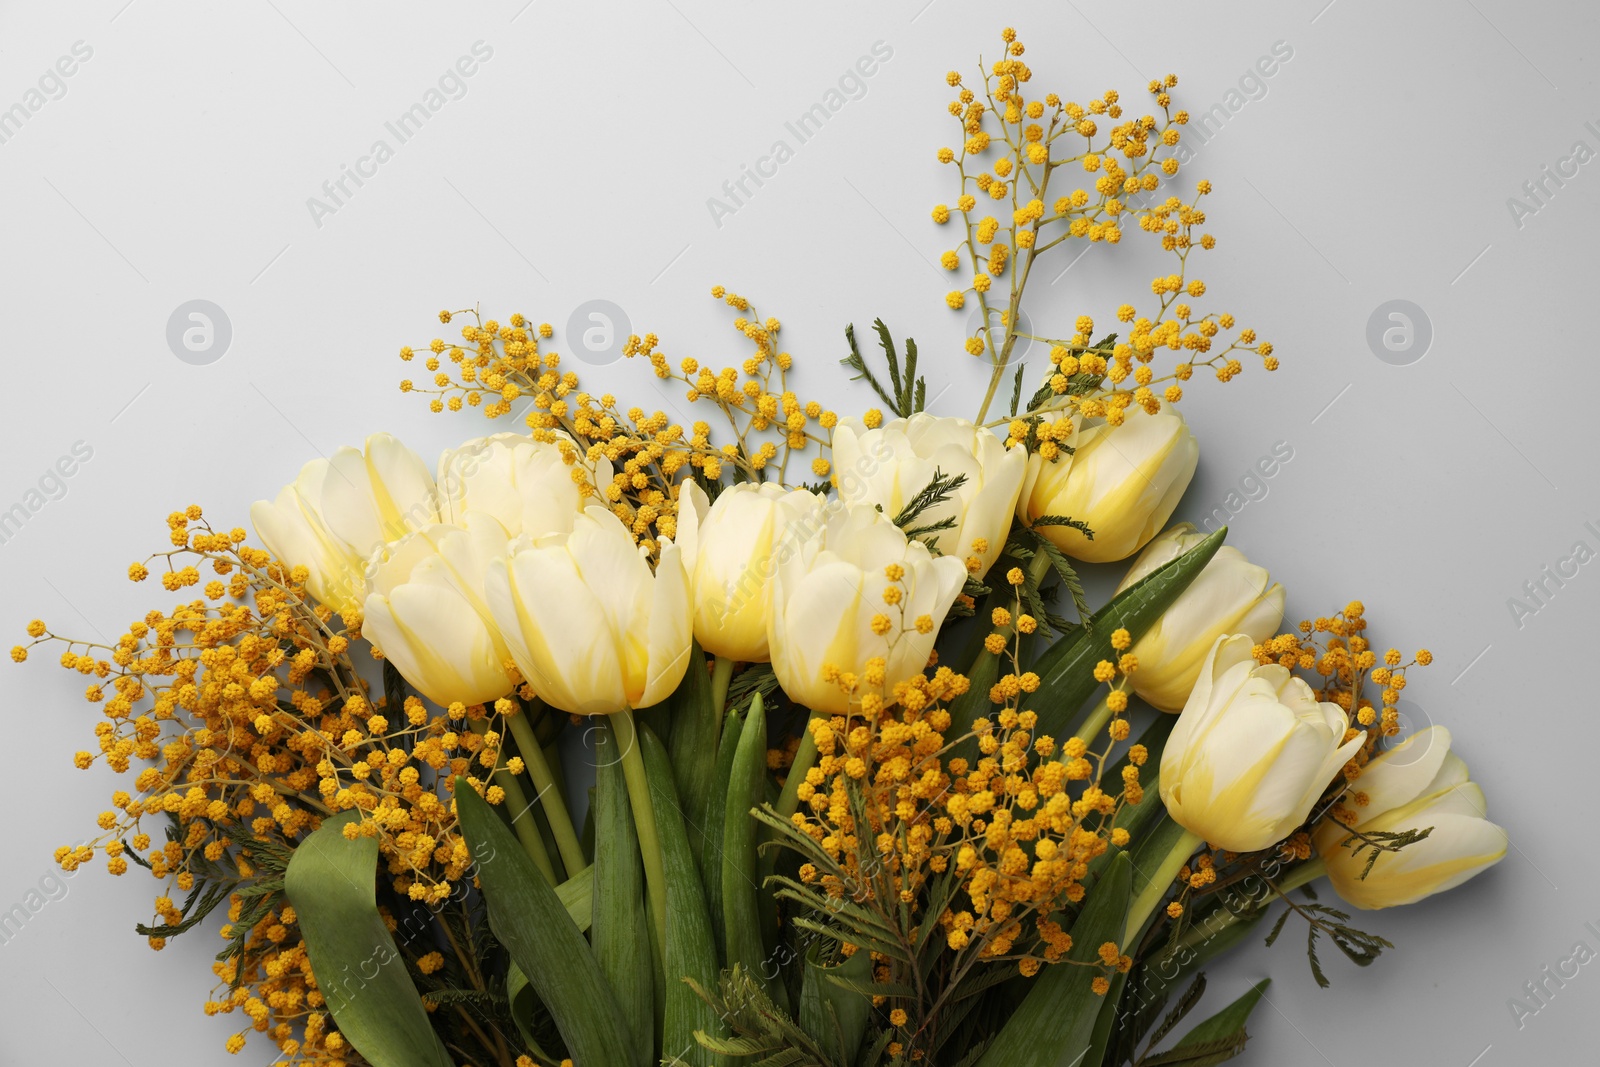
x=1377, y=166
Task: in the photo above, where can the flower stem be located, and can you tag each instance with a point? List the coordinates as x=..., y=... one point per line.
x=522, y=820
x=1095, y=722
x=549, y=793
x=721, y=675
x=1160, y=881
x=523, y=823
x=805, y=757
x=644, y=819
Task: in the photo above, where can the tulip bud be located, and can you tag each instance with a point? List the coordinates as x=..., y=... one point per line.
x=828, y=596
x=890, y=465
x=1124, y=481
x=1230, y=596
x=1417, y=785
x=741, y=540
x=591, y=627
x=340, y=510
x=1252, y=751
x=427, y=615
x=531, y=487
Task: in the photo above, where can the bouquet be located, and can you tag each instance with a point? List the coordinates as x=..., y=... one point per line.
x=781, y=738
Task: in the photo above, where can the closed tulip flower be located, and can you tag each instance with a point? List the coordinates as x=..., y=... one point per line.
x=1417, y=785
x=427, y=615
x=340, y=510
x=1252, y=751
x=1124, y=481
x=589, y=624
x=531, y=487
x=890, y=465
x=742, y=538
x=1231, y=596
x=853, y=594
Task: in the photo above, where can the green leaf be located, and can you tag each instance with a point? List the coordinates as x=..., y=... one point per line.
x=1055, y=1022
x=832, y=1009
x=1218, y=1039
x=716, y=814
x=690, y=951
x=741, y=898
x=530, y=920
x=332, y=883
x=1066, y=669
x=693, y=744
x=621, y=935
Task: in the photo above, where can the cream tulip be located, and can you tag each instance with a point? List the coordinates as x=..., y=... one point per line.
x=1230, y=596
x=1252, y=751
x=427, y=614
x=1417, y=785
x=527, y=485
x=1123, y=481
x=742, y=538
x=588, y=623
x=826, y=595
x=341, y=509
x=890, y=465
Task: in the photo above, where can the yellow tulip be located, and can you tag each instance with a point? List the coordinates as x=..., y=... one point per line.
x=1230, y=596
x=826, y=598
x=1252, y=751
x=525, y=484
x=1124, y=481
x=340, y=510
x=1417, y=785
x=742, y=538
x=890, y=465
x=427, y=615
x=588, y=623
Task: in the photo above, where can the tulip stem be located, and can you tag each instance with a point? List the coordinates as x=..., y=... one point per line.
x=644, y=819
x=1095, y=722
x=1160, y=882
x=805, y=757
x=522, y=820
x=549, y=793
x=721, y=675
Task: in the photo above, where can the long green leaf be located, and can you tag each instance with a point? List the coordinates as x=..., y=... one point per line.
x=1055, y=1022
x=716, y=813
x=693, y=745
x=621, y=930
x=1066, y=669
x=834, y=1014
x=531, y=922
x=690, y=950
x=741, y=902
x=332, y=883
